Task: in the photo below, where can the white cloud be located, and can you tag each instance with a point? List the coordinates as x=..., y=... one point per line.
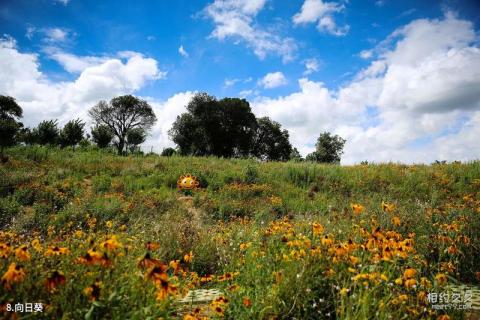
x=417, y=101
x=183, y=52
x=311, y=65
x=320, y=12
x=169, y=110
x=236, y=19
x=41, y=98
x=56, y=34
x=272, y=80
x=230, y=82
x=30, y=32
x=366, y=54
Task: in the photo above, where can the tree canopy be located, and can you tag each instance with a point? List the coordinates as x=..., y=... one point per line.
x=123, y=114
x=72, y=133
x=271, y=142
x=102, y=136
x=223, y=128
x=329, y=148
x=10, y=114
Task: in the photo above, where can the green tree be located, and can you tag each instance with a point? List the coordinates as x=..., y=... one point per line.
x=72, y=133
x=135, y=137
x=123, y=114
x=329, y=148
x=271, y=142
x=223, y=128
x=10, y=114
x=168, y=152
x=102, y=136
x=47, y=132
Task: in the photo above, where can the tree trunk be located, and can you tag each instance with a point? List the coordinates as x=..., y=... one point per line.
x=121, y=144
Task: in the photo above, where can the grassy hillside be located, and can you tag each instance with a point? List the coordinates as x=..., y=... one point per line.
x=94, y=235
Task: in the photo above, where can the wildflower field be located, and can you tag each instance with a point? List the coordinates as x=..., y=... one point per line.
x=91, y=235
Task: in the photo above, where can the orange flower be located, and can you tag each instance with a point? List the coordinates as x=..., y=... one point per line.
x=15, y=273
x=93, y=291
x=56, y=251
x=22, y=253
x=188, y=257
x=317, y=229
x=111, y=243
x=152, y=246
x=409, y=273
x=396, y=221
x=55, y=279
x=247, y=302
x=357, y=208
x=388, y=207
x=148, y=262
x=4, y=250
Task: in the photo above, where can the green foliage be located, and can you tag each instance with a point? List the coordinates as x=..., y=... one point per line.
x=271, y=142
x=72, y=133
x=168, y=152
x=329, y=149
x=102, y=136
x=223, y=128
x=122, y=114
x=9, y=208
x=135, y=137
x=10, y=113
x=47, y=133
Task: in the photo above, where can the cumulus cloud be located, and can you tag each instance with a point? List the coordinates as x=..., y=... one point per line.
x=183, y=52
x=272, y=80
x=236, y=19
x=417, y=101
x=321, y=13
x=41, y=98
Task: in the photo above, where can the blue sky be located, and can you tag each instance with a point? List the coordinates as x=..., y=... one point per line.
x=258, y=49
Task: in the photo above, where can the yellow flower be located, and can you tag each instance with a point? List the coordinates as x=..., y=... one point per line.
x=15, y=273
x=56, y=251
x=109, y=224
x=396, y=221
x=409, y=273
x=441, y=278
x=388, y=207
x=409, y=283
x=36, y=245
x=111, y=243
x=188, y=257
x=399, y=281
x=22, y=253
x=317, y=229
x=357, y=208
x=344, y=291
x=4, y=250
x=244, y=246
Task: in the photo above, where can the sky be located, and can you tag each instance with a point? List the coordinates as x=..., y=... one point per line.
x=399, y=80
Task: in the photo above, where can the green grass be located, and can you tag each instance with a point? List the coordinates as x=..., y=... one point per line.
x=51, y=194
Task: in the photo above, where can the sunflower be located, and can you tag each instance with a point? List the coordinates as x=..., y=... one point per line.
x=94, y=257
x=55, y=279
x=387, y=207
x=15, y=273
x=441, y=278
x=187, y=182
x=164, y=287
x=409, y=273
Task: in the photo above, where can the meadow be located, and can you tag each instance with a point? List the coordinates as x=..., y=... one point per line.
x=93, y=235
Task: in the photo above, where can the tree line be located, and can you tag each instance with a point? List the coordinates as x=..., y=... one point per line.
x=210, y=127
